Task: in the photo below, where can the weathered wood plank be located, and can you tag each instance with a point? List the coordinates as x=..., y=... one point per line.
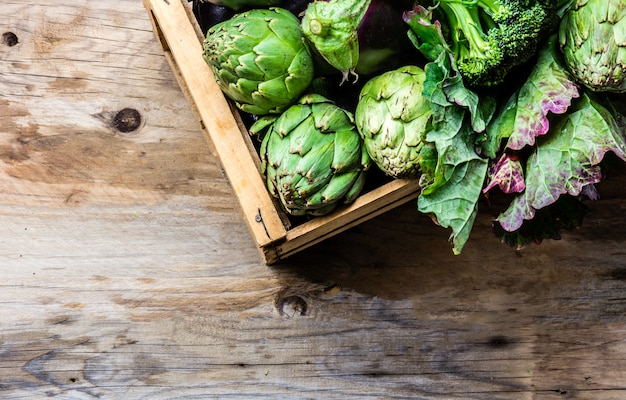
x=73, y=69
x=129, y=273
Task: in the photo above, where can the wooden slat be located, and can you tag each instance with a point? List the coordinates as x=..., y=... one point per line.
x=365, y=207
x=171, y=21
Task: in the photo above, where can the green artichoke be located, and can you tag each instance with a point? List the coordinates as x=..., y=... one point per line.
x=312, y=156
x=331, y=26
x=393, y=118
x=260, y=59
x=592, y=36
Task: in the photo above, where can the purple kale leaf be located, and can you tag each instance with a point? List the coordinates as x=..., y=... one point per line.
x=548, y=89
x=507, y=173
x=566, y=161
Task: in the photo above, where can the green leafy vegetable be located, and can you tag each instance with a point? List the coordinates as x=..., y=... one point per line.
x=548, y=89
x=566, y=161
x=453, y=197
x=488, y=38
x=451, y=191
x=507, y=173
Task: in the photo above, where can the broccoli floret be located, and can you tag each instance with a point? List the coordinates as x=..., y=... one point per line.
x=489, y=38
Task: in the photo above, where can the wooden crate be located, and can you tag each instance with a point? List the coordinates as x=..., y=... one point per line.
x=276, y=235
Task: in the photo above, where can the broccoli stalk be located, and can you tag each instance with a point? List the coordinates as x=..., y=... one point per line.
x=476, y=51
x=489, y=38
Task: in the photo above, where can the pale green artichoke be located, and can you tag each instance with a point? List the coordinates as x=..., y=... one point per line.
x=592, y=36
x=312, y=156
x=260, y=59
x=393, y=118
x=331, y=26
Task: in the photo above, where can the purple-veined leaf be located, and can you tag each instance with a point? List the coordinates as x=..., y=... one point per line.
x=548, y=89
x=507, y=173
x=567, y=161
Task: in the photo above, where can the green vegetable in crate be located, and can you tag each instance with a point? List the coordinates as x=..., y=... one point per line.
x=312, y=156
x=393, y=118
x=592, y=35
x=358, y=36
x=260, y=59
x=487, y=39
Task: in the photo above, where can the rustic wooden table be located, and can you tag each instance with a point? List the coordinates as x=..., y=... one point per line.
x=127, y=271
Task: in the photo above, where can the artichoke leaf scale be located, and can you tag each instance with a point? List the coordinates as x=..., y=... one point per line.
x=271, y=181
x=347, y=154
x=413, y=131
x=338, y=186
x=287, y=37
x=273, y=57
x=582, y=30
x=305, y=188
x=619, y=31
x=328, y=117
x=275, y=149
x=248, y=67
x=615, y=11
x=316, y=163
x=391, y=135
x=252, y=27
x=274, y=89
x=371, y=121
x=301, y=66
x=291, y=118
x=302, y=139
x=356, y=188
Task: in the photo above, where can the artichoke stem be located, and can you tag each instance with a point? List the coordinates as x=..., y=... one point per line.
x=318, y=28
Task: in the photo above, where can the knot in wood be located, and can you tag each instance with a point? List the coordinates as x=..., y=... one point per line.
x=291, y=306
x=127, y=120
x=9, y=38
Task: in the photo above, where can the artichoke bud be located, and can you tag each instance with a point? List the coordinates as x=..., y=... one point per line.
x=260, y=59
x=331, y=28
x=312, y=156
x=592, y=37
x=392, y=116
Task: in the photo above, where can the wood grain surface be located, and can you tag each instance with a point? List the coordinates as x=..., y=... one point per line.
x=127, y=271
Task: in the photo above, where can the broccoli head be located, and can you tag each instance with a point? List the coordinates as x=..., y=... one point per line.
x=489, y=38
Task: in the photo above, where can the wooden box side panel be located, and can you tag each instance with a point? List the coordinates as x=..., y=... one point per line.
x=365, y=207
x=179, y=38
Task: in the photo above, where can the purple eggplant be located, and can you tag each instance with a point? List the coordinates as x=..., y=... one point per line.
x=208, y=14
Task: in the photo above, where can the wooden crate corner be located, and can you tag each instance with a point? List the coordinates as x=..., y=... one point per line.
x=181, y=39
